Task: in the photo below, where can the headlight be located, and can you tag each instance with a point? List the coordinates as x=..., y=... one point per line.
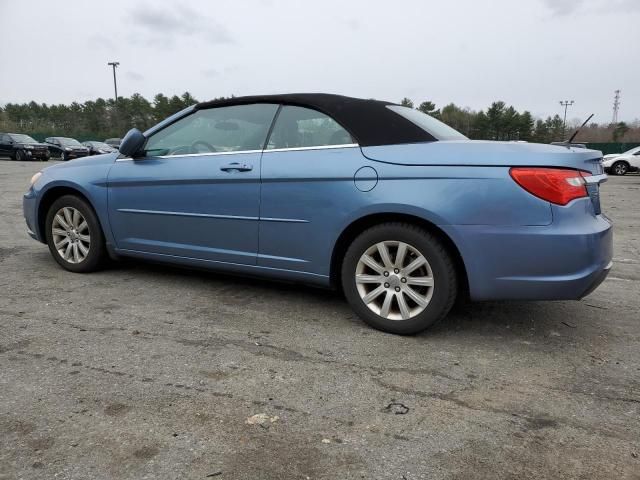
x=67, y=149
x=35, y=178
x=28, y=147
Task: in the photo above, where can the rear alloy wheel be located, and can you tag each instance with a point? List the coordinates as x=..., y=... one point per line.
x=74, y=235
x=620, y=168
x=399, y=278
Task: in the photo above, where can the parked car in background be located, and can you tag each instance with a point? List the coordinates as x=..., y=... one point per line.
x=97, y=148
x=114, y=142
x=22, y=147
x=66, y=148
x=622, y=163
x=392, y=206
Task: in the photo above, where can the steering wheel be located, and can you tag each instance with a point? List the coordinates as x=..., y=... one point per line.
x=202, y=142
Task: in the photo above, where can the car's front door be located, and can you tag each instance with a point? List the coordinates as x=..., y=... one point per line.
x=635, y=159
x=196, y=191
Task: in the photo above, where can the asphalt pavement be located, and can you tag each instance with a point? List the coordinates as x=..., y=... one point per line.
x=146, y=371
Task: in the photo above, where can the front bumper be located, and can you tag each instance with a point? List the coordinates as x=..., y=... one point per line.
x=37, y=154
x=566, y=260
x=29, y=210
x=71, y=155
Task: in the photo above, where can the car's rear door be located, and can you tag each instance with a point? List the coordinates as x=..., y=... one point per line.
x=196, y=192
x=308, y=189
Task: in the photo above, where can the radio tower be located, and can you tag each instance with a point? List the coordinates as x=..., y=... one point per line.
x=616, y=106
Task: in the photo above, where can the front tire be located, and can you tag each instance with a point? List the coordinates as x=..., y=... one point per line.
x=620, y=168
x=74, y=236
x=64, y=157
x=399, y=278
x=20, y=156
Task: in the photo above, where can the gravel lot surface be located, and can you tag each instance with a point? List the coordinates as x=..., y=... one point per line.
x=146, y=371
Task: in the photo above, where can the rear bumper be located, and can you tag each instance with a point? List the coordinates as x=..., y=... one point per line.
x=566, y=260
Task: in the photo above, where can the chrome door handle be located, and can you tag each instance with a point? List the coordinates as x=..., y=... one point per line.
x=236, y=167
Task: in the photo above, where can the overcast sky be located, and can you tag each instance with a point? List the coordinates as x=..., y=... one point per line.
x=529, y=53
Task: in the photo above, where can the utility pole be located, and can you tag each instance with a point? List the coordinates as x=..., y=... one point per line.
x=616, y=106
x=565, y=104
x=115, y=85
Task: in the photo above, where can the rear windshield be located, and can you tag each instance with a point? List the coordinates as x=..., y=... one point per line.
x=436, y=128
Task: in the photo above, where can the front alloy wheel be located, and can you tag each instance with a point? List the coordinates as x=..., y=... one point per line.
x=399, y=278
x=620, y=168
x=74, y=235
x=71, y=235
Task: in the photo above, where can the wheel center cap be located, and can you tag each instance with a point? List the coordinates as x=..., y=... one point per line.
x=393, y=280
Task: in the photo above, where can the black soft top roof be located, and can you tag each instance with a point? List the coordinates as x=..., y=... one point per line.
x=369, y=122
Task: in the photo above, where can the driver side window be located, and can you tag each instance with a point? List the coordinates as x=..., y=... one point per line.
x=222, y=129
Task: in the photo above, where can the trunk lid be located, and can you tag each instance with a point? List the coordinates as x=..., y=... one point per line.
x=474, y=153
x=487, y=153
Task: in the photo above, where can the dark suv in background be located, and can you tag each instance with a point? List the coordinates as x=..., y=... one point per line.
x=22, y=147
x=66, y=148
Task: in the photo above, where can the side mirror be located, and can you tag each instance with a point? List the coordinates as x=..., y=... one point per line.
x=132, y=143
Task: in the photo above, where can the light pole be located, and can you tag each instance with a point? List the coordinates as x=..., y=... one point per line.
x=115, y=85
x=565, y=104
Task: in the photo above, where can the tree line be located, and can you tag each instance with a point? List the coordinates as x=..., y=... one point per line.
x=502, y=122
x=100, y=119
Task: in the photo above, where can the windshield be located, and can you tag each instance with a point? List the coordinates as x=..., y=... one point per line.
x=69, y=142
x=632, y=151
x=23, y=138
x=435, y=128
x=100, y=145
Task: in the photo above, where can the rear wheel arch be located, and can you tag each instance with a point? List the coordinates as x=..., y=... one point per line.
x=358, y=226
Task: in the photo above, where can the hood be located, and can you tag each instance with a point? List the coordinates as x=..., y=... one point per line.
x=103, y=159
x=486, y=153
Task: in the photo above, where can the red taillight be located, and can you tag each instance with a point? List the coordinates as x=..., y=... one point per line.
x=555, y=185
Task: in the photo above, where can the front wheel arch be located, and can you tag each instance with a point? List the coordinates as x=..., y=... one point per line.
x=51, y=196
x=358, y=226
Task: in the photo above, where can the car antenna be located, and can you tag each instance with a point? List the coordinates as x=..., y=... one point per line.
x=578, y=130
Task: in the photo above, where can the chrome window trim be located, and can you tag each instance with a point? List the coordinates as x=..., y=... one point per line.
x=317, y=147
x=206, y=154
x=239, y=152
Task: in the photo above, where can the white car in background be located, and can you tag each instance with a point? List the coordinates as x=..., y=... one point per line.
x=622, y=163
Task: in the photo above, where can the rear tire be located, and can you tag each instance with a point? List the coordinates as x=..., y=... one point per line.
x=74, y=235
x=620, y=168
x=392, y=294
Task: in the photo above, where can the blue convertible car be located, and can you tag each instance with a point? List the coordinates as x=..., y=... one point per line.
x=390, y=205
